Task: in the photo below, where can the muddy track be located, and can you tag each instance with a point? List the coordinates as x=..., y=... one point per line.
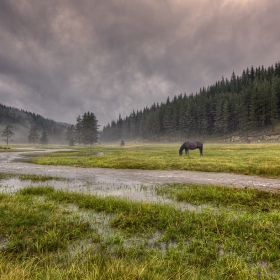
x=118, y=177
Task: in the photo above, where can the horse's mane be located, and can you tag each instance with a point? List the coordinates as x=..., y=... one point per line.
x=182, y=147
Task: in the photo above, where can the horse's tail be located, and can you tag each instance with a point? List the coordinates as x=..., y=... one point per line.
x=201, y=151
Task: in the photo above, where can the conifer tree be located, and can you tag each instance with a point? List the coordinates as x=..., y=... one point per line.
x=7, y=133
x=44, y=140
x=70, y=135
x=89, y=128
x=78, y=131
x=132, y=125
x=219, y=122
x=33, y=136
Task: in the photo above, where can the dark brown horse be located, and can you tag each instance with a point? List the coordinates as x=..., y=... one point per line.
x=191, y=145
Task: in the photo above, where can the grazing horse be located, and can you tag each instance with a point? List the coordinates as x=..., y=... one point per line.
x=191, y=145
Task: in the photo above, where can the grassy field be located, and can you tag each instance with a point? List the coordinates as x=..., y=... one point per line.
x=208, y=232
x=48, y=234
x=251, y=159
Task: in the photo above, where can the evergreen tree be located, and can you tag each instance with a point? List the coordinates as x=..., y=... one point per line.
x=126, y=128
x=7, y=133
x=78, y=131
x=44, y=140
x=273, y=114
x=243, y=124
x=221, y=118
x=89, y=128
x=119, y=127
x=225, y=114
x=113, y=131
x=143, y=126
x=182, y=122
x=190, y=120
x=70, y=135
x=276, y=88
x=33, y=136
x=132, y=124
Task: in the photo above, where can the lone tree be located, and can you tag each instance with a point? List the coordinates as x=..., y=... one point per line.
x=8, y=133
x=44, y=140
x=33, y=136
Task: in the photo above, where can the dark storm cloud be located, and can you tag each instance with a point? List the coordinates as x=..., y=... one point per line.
x=61, y=58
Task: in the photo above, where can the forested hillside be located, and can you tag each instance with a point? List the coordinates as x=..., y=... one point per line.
x=249, y=103
x=22, y=120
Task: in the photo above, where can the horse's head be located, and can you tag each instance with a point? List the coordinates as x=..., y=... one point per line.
x=180, y=152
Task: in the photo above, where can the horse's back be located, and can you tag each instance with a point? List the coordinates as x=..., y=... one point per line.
x=199, y=144
x=192, y=144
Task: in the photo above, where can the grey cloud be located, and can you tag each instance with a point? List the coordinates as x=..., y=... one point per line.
x=61, y=58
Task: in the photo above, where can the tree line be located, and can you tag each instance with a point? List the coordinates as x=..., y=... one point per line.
x=250, y=101
x=84, y=132
x=33, y=136
x=22, y=120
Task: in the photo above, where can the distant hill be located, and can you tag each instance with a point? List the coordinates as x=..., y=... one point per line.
x=22, y=120
x=245, y=107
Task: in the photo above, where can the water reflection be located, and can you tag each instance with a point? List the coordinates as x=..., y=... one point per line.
x=137, y=185
x=101, y=188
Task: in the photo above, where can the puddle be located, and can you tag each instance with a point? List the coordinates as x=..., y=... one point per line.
x=12, y=185
x=105, y=234
x=156, y=242
x=102, y=188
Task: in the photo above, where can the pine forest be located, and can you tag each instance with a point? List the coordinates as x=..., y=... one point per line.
x=235, y=106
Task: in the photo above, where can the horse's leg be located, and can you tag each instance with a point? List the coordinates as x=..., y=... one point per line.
x=201, y=151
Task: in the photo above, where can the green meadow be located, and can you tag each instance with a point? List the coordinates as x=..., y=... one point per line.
x=51, y=234
x=205, y=232
x=251, y=159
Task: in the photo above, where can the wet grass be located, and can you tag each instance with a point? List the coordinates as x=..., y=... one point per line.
x=246, y=199
x=31, y=227
x=29, y=177
x=4, y=148
x=250, y=159
x=38, y=178
x=234, y=238
x=5, y=176
x=17, y=147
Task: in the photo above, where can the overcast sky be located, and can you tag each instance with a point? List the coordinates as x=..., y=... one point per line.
x=62, y=58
